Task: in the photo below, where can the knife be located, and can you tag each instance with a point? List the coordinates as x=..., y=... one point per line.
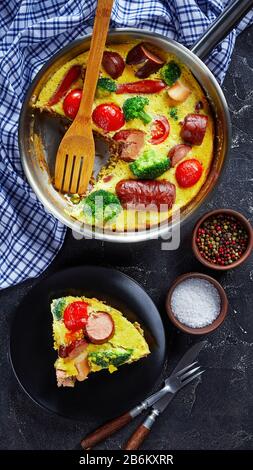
x=161, y=398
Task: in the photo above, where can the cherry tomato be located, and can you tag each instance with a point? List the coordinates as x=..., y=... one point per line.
x=160, y=129
x=72, y=102
x=75, y=316
x=188, y=172
x=108, y=116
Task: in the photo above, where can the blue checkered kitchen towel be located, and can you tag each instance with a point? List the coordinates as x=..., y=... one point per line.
x=31, y=31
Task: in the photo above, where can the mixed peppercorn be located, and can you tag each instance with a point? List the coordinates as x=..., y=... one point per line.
x=222, y=239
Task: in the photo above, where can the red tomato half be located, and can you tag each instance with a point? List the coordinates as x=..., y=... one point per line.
x=75, y=316
x=160, y=129
x=108, y=116
x=72, y=102
x=188, y=173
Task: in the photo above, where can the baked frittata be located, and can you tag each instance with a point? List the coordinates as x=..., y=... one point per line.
x=159, y=127
x=89, y=336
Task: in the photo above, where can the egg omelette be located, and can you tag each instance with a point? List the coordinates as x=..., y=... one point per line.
x=117, y=169
x=77, y=354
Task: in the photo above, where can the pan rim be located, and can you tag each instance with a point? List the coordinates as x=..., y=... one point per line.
x=142, y=235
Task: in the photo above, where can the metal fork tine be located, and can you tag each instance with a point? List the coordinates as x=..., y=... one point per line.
x=190, y=372
x=192, y=378
x=180, y=372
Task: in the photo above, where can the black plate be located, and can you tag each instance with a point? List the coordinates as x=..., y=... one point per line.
x=103, y=394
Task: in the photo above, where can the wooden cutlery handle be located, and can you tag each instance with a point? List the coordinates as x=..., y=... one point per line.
x=105, y=431
x=137, y=438
x=98, y=40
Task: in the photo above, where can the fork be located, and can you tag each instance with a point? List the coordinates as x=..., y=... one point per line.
x=158, y=401
x=76, y=153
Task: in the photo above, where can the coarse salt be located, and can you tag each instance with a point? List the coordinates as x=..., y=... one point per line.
x=196, y=302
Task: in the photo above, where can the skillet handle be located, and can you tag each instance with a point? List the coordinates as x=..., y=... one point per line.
x=225, y=23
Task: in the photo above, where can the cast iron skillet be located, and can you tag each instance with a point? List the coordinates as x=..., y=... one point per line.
x=103, y=394
x=50, y=131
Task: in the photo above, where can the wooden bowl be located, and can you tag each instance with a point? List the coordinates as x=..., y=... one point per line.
x=206, y=329
x=244, y=222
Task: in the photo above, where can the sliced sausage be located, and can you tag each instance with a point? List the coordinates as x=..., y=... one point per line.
x=80, y=347
x=63, y=380
x=179, y=92
x=113, y=64
x=194, y=128
x=99, y=327
x=146, y=193
x=133, y=142
x=150, y=66
x=178, y=152
x=141, y=54
x=73, y=349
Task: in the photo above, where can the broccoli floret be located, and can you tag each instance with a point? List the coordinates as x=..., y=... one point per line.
x=150, y=165
x=105, y=87
x=114, y=357
x=101, y=206
x=58, y=307
x=173, y=113
x=134, y=108
x=170, y=73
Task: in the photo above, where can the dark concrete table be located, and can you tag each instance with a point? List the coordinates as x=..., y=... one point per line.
x=215, y=413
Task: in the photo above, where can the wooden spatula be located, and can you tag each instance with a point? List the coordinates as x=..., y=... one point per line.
x=76, y=153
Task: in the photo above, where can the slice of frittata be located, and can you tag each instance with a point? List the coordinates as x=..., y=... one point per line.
x=89, y=336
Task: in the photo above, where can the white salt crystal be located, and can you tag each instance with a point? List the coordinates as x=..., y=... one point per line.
x=196, y=302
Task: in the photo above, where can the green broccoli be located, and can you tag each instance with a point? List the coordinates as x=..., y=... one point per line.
x=105, y=87
x=58, y=307
x=170, y=72
x=101, y=206
x=173, y=113
x=150, y=165
x=105, y=358
x=134, y=108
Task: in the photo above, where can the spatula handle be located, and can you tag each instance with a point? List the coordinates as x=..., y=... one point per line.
x=99, y=35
